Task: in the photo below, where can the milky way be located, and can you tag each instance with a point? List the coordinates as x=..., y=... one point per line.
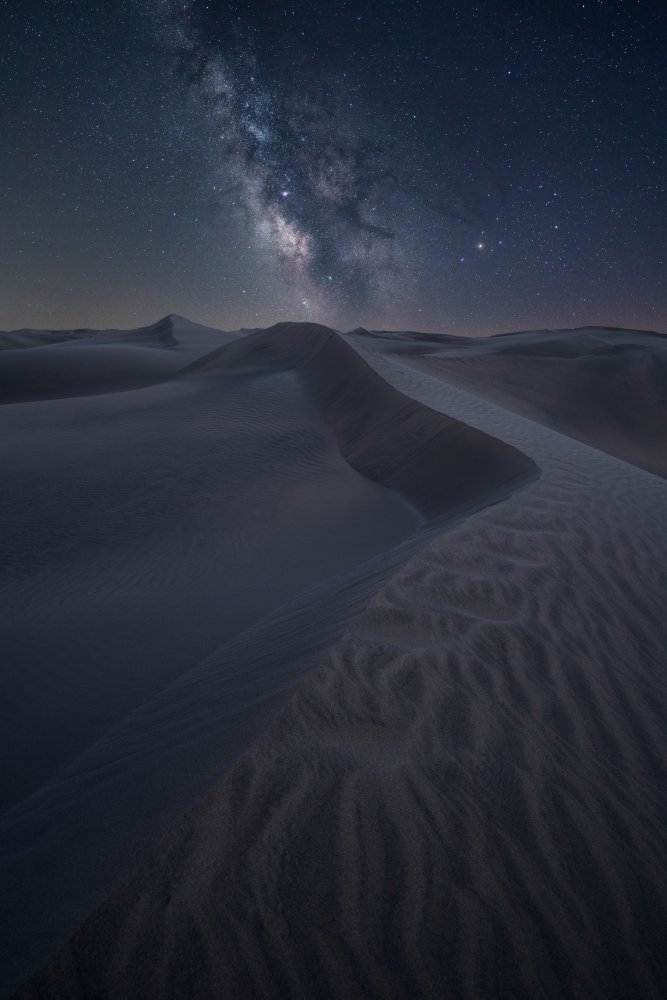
x=298, y=157
x=464, y=168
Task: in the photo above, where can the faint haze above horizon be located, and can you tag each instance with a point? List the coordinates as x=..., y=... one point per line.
x=461, y=169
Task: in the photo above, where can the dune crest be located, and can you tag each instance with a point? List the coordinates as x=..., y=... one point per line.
x=213, y=534
x=438, y=463
x=606, y=387
x=465, y=799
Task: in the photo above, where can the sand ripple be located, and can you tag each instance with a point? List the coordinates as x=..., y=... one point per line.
x=466, y=799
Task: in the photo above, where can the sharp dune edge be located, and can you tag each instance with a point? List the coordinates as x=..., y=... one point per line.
x=464, y=795
x=441, y=465
x=179, y=555
x=605, y=387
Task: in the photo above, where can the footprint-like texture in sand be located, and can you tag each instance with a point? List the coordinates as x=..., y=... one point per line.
x=189, y=520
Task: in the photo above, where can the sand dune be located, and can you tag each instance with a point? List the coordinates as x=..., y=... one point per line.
x=606, y=387
x=176, y=557
x=10, y=340
x=166, y=332
x=440, y=464
x=53, y=372
x=90, y=362
x=466, y=798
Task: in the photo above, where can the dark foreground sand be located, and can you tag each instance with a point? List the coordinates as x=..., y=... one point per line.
x=465, y=794
x=175, y=557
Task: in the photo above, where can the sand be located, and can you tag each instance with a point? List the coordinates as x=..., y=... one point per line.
x=462, y=794
x=606, y=387
x=75, y=363
x=176, y=555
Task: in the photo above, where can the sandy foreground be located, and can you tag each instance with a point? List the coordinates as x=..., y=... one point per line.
x=341, y=657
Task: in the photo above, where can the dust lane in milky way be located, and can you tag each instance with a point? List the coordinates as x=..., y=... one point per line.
x=461, y=169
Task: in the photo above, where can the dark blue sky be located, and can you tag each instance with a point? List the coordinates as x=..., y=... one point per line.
x=463, y=168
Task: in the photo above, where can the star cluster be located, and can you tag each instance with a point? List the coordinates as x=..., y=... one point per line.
x=468, y=168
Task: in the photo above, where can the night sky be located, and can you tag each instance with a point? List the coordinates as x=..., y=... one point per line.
x=458, y=167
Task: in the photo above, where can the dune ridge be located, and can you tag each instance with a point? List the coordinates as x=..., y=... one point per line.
x=39, y=365
x=466, y=799
x=604, y=386
x=384, y=434
x=241, y=509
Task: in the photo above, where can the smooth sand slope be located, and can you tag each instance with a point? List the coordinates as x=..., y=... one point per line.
x=174, y=558
x=89, y=362
x=466, y=798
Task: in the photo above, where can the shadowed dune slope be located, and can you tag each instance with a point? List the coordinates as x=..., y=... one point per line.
x=76, y=363
x=172, y=557
x=12, y=339
x=160, y=334
x=465, y=800
x=82, y=370
x=438, y=463
x=606, y=387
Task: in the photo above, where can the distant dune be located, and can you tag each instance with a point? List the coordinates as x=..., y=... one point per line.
x=606, y=387
x=335, y=666
x=91, y=362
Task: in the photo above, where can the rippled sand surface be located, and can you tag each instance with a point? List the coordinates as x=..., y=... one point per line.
x=464, y=795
